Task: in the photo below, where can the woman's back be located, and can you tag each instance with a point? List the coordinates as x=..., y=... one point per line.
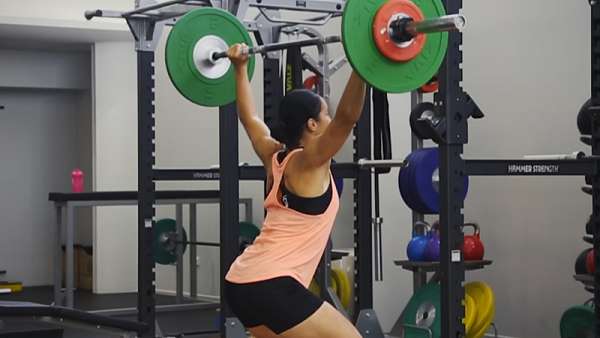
x=291, y=242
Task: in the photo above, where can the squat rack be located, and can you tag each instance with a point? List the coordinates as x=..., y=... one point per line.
x=146, y=23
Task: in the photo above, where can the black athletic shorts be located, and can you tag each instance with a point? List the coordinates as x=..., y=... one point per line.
x=279, y=303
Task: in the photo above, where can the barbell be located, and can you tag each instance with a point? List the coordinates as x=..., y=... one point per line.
x=166, y=243
x=396, y=46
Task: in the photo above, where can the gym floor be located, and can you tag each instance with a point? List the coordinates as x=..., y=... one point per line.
x=171, y=322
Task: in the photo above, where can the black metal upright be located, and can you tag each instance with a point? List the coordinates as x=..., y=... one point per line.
x=452, y=171
x=230, y=193
x=363, y=274
x=595, y=180
x=146, y=188
x=273, y=89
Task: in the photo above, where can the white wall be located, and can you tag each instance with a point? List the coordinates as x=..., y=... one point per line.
x=61, y=9
x=62, y=25
x=530, y=75
x=115, y=163
x=41, y=132
x=44, y=69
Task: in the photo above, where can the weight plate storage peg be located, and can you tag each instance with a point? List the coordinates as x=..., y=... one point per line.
x=371, y=62
x=190, y=45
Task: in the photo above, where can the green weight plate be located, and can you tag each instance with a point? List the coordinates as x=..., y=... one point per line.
x=165, y=253
x=161, y=255
x=375, y=68
x=424, y=310
x=578, y=322
x=205, y=28
x=248, y=231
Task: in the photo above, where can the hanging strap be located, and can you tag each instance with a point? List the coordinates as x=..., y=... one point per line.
x=382, y=144
x=293, y=69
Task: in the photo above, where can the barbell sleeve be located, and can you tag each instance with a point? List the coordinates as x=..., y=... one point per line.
x=445, y=23
x=366, y=164
x=578, y=155
x=90, y=14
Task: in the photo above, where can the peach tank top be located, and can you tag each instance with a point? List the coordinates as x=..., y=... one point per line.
x=290, y=243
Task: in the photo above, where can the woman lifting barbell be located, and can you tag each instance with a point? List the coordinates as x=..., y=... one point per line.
x=266, y=286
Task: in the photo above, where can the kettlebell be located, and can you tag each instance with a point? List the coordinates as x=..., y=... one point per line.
x=432, y=251
x=581, y=262
x=590, y=265
x=472, y=246
x=416, y=247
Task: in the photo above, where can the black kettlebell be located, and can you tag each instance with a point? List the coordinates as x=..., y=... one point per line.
x=580, y=268
x=584, y=117
x=427, y=122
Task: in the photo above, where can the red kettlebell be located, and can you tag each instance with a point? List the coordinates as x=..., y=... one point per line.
x=590, y=265
x=472, y=246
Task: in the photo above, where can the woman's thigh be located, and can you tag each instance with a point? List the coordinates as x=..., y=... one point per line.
x=262, y=332
x=326, y=322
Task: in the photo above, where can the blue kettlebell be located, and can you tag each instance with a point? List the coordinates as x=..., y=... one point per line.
x=417, y=245
x=432, y=249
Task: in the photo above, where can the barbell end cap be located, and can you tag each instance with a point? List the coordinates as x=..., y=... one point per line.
x=91, y=14
x=213, y=58
x=460, y=21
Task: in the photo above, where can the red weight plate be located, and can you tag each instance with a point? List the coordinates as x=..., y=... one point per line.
x=392, y=10
x=430, y=87
x=311, y=82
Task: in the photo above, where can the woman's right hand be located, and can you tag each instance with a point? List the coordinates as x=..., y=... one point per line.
x=238, y=54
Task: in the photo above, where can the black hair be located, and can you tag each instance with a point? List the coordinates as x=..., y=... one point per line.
x=295, y=109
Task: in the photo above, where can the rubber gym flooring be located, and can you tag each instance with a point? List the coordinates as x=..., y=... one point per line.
x=171, y=322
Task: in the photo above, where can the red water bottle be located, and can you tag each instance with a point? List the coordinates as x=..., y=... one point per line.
x=77, y=180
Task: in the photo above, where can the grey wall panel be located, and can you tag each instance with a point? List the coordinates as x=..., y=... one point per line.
x=40, y=140
x=44, y=69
